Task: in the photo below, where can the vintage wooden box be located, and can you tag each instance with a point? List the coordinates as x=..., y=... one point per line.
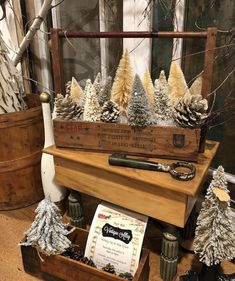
x=60, y=268
x=153, y=141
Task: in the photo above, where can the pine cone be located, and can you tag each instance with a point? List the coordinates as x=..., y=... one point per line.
x=67, y=109
x=109, y=268
x=110, y=112
x=190, y=111
x=87, y=261
x=127, y=276
x=77, y=255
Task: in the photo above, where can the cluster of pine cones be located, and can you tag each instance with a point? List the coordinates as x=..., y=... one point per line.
x=70, y=108
x=72, y=253
x=78, y=256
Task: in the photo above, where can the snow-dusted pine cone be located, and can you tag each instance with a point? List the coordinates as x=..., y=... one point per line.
x=110, y=112
x=67, y=109
x=190, y=111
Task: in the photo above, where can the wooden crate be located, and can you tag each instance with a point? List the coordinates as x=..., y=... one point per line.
x=60, y=268
x=153, y=141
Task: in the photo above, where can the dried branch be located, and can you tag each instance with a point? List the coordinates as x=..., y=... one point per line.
x=32, y=30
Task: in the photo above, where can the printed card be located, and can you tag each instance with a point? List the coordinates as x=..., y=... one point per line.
x=116, y=237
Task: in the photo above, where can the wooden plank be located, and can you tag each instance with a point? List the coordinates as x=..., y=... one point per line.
x=62, y=268
x=57, y=64
x=163, y=204
x=156, y=179
x=207, y=77
x=152, y=141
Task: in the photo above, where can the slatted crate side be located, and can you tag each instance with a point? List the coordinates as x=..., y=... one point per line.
x=153, y=141
x=58, y=268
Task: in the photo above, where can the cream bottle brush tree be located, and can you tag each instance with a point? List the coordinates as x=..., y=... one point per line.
x=177, y=83
x=74, y=90
x=123, y=82
x=97, y=83
x=149, y=88
x=92, y=110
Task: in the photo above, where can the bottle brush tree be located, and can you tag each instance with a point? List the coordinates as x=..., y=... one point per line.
x=76, y=91
x=123, y=81
x=105, y=92
x=215, y=232
x=177, y=83
x=138, y=111
x=92, y=110
x=149, y=88
x=162, y=108
x=97, y=83
x=48, y=233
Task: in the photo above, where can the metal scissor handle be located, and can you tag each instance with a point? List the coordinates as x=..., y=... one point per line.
x=124, y=161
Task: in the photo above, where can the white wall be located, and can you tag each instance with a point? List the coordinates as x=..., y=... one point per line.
x=134, y=20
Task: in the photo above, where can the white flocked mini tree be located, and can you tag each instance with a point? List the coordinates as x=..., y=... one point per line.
x=215, y=233
x=92, y=110
x=47, y=233
x=162, y=108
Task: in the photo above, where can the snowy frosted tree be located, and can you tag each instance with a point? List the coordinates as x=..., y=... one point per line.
x=177, y=83
x=138, y=111
x=92, y=110
x=105, y=93
x=162, y=108
x=219, y=179
x=48, y=233
x=86, y=90
x=215, y=233
x=123, y=82
x=149, y=89
x=97, y=83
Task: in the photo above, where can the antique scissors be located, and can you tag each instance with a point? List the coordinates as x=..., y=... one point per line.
x=124, y=161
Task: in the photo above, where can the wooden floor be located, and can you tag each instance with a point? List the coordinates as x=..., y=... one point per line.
x=14, y=223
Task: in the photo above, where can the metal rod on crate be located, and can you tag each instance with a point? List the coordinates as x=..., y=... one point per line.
x=132, y=34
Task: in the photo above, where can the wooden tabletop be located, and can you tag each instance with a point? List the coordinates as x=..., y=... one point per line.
x=158, y=179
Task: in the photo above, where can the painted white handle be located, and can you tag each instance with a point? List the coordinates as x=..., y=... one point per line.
x=50, y=187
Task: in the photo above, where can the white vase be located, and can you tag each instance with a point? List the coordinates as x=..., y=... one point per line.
x=50, y=187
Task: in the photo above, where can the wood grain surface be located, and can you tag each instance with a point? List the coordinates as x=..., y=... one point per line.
x=153, y=141
x=157, y=179
x=154, y=194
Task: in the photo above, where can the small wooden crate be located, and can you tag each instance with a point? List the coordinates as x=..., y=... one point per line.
x=60, y=268
x=153, y=141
